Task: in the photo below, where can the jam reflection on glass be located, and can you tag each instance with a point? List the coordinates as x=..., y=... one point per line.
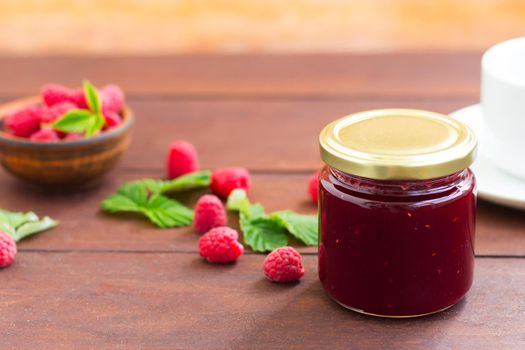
x=396, y=248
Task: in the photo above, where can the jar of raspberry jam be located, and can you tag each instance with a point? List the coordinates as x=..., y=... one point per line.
x=397, y=206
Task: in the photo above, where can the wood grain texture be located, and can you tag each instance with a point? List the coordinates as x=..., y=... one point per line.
x=83, y=227
x=277, y=134
x=178, y=301
x=100, y=281
x=404, y=74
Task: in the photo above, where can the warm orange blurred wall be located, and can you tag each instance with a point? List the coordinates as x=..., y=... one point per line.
x=171, y=26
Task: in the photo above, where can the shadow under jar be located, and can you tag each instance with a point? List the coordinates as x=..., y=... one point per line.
x=397, y=212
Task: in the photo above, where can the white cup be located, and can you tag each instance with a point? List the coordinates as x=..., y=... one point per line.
x=503, y=103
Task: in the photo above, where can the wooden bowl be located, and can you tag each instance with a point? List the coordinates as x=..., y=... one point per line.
x=63, y=163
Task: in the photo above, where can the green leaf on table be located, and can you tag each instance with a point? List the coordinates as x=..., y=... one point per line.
x=200, y=179
x=34, y=227
x=238, y=201
x=260, y=233
x=263, y=234
x=302, y=227
x=166, y=212
x=21, y=225
x=92, y=97
x=162, y=211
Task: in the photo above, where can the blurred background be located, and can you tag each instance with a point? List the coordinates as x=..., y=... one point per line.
x=153, y=27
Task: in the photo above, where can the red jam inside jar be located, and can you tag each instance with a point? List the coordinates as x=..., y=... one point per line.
x=397, y=207
x=396, y=248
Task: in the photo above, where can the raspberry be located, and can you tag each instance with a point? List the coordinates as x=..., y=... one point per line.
x=182, y=159
x=45, y=135
x=112, y=98
x=283, y=265
x=313, y=187
x=79, y=99
x=24, y=122
x=50, y=114
x=73, y=137
x=224, y=181
x=112, y=119
x=219, y=245
x=53, y=94
x=7, y=250
x=209, y=213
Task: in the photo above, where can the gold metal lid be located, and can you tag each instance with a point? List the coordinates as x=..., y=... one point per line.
x=398, y=144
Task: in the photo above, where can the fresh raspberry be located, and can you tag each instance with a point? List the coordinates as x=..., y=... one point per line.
x=7, y=250
x=209, y=213
x=53, y=94
x=112, y=119
x=313, y=187
x=45, y=135
x=224, y=181
x=283, y=265
x=24, y=122
x=50, y=114
x=182, y=159
x=73, y=137
x=79, y=99
x=112, y=98
x=219, y=245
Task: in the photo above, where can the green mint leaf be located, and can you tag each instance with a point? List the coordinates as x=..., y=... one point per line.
x=8, y=229
x=92, y=97
x=263, y=234
x=254, y=211
x=238, y=201
x=21, y=225
x=14, y=219
x=97, y=123
x=166, y=212
x=130, y=197
x=187, y=182
x=33, y=227
x=260, y=233
x=75, y=121
x=302, y=227
x=162, y=211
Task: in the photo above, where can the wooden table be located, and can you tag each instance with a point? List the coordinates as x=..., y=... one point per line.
x=106, y=282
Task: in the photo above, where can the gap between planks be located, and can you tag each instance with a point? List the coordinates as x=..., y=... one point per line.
x=114, y=251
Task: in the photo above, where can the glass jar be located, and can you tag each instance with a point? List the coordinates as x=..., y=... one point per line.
x=397, y=212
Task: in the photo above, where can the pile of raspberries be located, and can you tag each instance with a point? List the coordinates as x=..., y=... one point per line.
x=220, y=243
x=35, y=122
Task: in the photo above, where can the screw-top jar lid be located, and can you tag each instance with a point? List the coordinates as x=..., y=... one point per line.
x=398, y=144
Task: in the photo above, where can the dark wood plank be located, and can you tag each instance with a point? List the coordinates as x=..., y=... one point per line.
x=403, y=74
x=167, y=301
x=84, y=227
x=277, y=134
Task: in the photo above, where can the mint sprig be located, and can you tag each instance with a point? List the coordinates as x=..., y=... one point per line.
x=21, y=225
x=200, y=179
x=264, y=232
x=162, y=211
x=147, y=197
x=302, y=227
x=89, y=122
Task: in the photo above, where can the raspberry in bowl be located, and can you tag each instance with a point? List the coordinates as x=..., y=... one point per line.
x=65, y=136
